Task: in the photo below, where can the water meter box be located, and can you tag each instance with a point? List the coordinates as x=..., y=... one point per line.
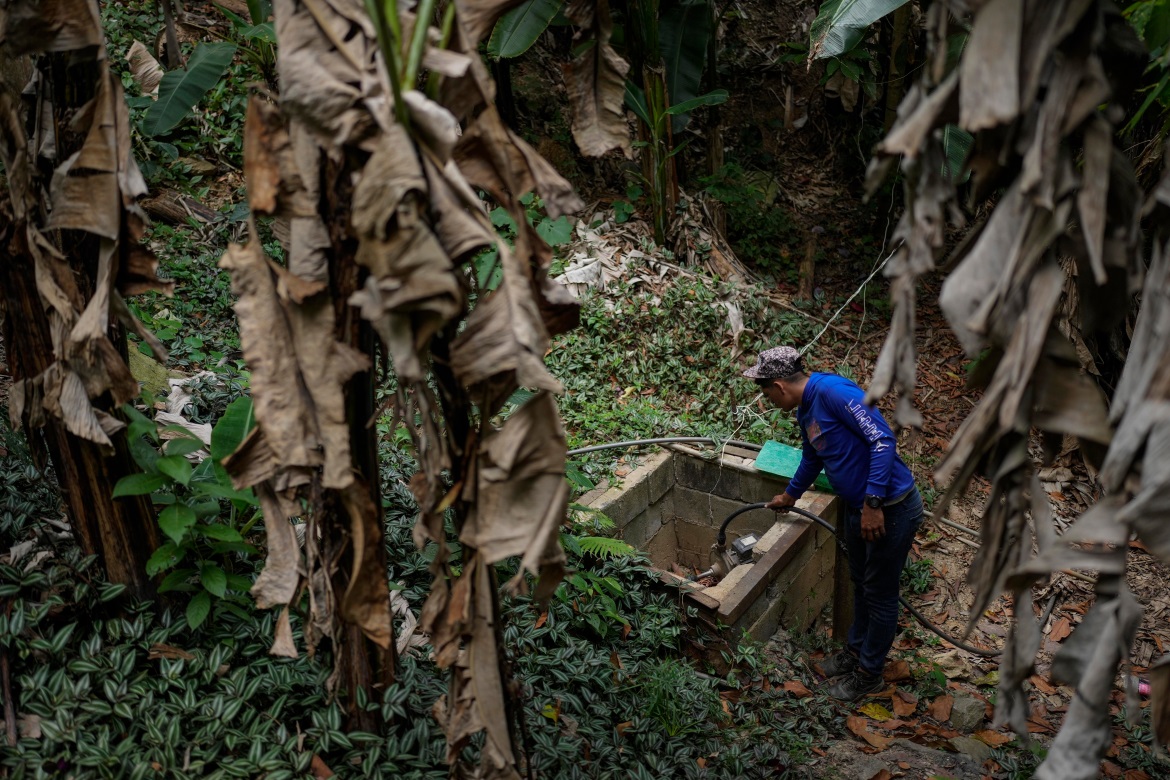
x=788, y=569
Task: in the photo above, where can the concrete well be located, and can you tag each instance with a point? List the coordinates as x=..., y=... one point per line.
x=671, y=507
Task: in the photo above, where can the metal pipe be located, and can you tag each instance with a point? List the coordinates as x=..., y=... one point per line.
x=953, y=524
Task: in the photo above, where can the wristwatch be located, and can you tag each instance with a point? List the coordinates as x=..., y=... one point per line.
x=873, y=502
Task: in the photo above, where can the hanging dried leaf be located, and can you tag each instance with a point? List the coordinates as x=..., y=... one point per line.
x=366, y=601
x=1004, y=296
x=282, y=406
x=494, y=158
x=411, y=293
x=144, y=68
x=278, y=583
x=274, y=181
x=990, y=66
x=284, y=644
x=325, y=66
x=596, y=80
x=522, y=496
x=505, y=340
x=326, y=365
x=59, y=26
x=93, y=190
x=1089, y=659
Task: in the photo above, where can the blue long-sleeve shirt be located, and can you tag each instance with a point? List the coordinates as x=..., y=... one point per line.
x=849, y=440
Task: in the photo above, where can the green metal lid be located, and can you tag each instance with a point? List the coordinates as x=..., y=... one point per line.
x=782, y=460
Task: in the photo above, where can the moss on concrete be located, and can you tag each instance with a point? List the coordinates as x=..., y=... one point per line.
x=152, y=376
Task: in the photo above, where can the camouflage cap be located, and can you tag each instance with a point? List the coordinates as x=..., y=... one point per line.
x=775, y=363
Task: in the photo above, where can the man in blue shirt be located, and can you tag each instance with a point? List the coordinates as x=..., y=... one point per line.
x=856, y=448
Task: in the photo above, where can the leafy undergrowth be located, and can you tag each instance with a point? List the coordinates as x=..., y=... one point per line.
x=110, y=689
x=652, y=362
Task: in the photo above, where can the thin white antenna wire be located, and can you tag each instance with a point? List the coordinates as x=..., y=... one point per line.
x=856, y=292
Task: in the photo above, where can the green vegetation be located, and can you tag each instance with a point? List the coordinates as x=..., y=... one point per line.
x=555, y=232
x=205, y=519
x=645, y=364
x=131, y=690
x=762, y=232
x=918, y=575
x=614, y=681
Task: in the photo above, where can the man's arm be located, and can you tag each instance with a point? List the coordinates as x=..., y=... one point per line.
x=810, y=465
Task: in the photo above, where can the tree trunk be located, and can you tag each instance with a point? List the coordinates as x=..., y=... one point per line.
x=715, y=122
x=174, y=54
x=122, y=533
x=657, y=163
x=900, y=45
x=361, y=664
x=808, y=270
x=505, y=98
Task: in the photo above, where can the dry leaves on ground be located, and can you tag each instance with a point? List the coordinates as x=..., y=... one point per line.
x=859, y=726
x=797, y=689
x=940, y=708
x=875, y=711
x=897, y=671
x=904, y=703
x=993, y=738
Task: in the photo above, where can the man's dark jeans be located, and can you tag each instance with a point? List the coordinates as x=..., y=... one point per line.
x=876, y=569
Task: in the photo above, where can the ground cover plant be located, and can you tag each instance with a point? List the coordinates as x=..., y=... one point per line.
x=107, y=688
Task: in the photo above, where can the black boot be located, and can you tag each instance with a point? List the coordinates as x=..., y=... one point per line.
x=843, y=662
x=853, y=686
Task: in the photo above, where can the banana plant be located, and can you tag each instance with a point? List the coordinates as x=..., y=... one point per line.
x=181, y=90
x=684, y=32
x=651, y=106
x=841, y=24
x=518, y=29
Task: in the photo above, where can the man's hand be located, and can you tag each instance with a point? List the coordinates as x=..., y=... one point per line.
x=873, y=523
x=781, y=502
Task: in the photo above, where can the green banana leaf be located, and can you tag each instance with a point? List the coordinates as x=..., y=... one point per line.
x=180, y=90
x=712, y=98
x=957, y=144
x=841, y=24
x=636, y=100
x=683, y=35
x=259, y=10
x=231, y=429
x=518, y=29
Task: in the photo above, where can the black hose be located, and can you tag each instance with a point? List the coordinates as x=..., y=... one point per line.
x=722, y=540
x=665, y=440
